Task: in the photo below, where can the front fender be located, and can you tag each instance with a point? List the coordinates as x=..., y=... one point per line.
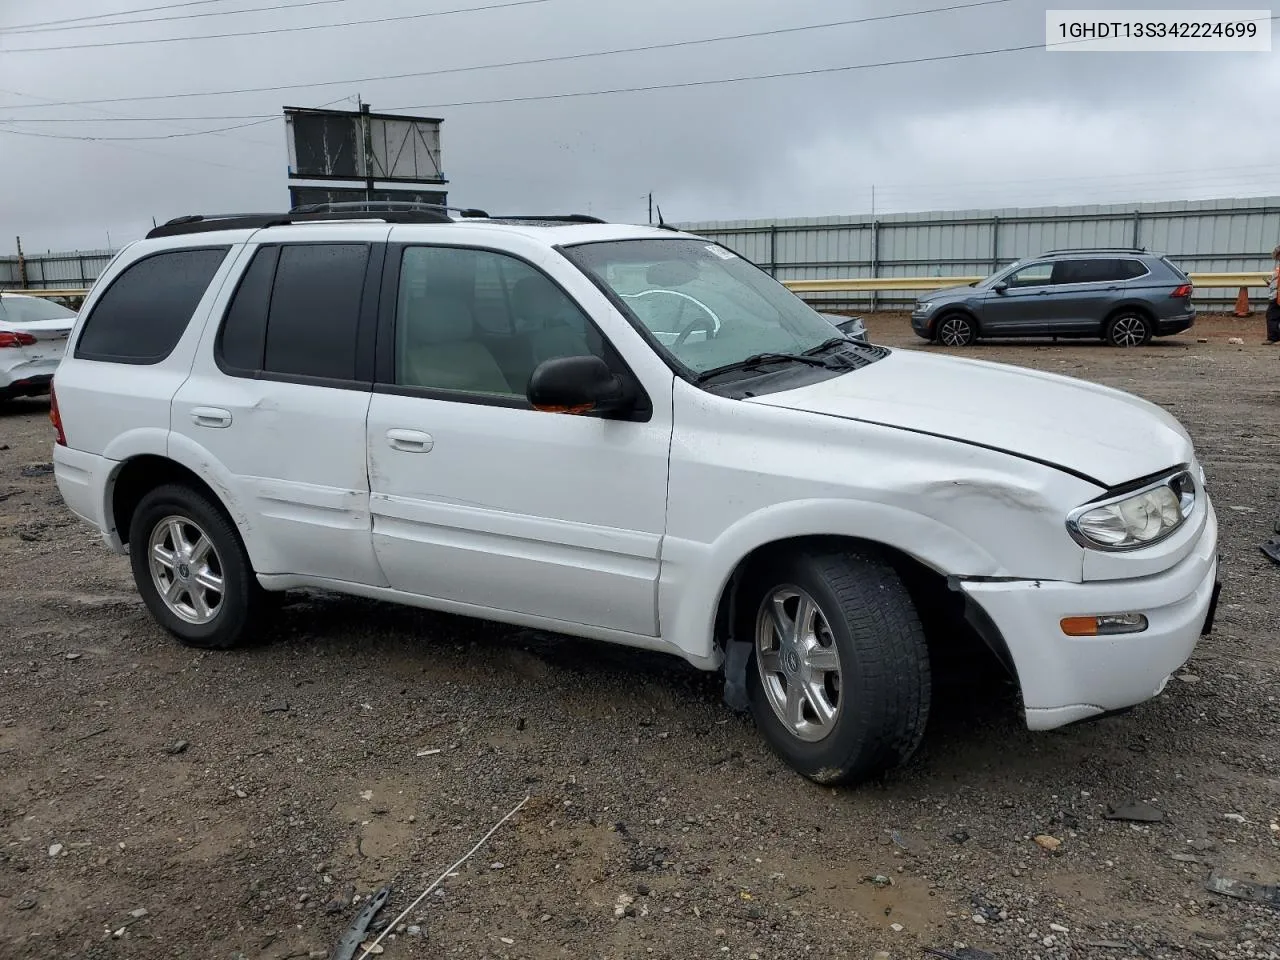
x=695, y=574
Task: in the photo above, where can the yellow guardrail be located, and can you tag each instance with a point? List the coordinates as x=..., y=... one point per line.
x=878, y=284
x=52, y=294
x=1204, y=281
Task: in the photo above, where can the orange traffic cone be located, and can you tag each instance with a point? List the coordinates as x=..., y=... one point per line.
x=1242, y=303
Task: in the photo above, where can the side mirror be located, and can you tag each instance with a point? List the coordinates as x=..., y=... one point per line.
x=849, y=324
x=577, y=385
x=1000, y=287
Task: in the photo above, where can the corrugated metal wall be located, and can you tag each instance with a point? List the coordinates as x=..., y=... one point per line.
x=1201, y=236
x=73, y=270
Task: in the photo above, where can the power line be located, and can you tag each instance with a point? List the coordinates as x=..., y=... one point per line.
x=118, y=13
x=168, y=136
x=644, y=89
x=506, y=4
x=537, y=61
x=687, y=84
x=58, y=28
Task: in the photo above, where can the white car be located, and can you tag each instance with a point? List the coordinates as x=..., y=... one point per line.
x=472, y=416
x=33, y=336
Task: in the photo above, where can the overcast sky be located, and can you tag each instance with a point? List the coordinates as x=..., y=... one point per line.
x=1020, y=128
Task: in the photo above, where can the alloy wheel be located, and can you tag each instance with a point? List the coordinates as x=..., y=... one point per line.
x=186, y=570
x=1128, y=331
x=955, y=331
x=799, y=663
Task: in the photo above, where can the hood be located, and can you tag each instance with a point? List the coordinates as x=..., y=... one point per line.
x=947, y=293
x=1106, y=436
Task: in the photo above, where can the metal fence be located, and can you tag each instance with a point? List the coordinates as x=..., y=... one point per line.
x=1206, y=236
x=59, y=270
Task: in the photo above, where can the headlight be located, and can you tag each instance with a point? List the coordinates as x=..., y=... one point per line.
x=924, y=305
x=1136, y=519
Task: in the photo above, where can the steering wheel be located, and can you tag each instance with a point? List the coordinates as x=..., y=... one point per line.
x=697, y=323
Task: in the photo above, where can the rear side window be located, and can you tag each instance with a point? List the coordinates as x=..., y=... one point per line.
x=244, y=332
x=1177, y=271
x=144, y=312
x=1086, y=271
x=315, y=310
x=1131, y=269
x=296, y=312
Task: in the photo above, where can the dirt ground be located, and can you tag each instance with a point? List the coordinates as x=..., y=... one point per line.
x=240, y=799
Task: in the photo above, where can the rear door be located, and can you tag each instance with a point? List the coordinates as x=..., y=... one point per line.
x=279, y=393
x=1083, y=291
x=1020, y=310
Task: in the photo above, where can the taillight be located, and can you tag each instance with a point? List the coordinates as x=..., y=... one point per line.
x=60, y=437
x=1182, y=292
x=10, y=339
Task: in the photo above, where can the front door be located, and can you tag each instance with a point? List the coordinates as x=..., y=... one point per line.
x=477, y=498
x=1019, y=309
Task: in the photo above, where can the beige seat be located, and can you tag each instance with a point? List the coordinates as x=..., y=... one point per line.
x=439, y=349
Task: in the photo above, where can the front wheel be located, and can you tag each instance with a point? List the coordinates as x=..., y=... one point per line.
x=955, y=330
x=840, y=681
x=191, y=569
x=1129, y=329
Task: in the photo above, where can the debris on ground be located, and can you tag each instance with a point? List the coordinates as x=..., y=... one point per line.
x=1136, y=811
x=1046, y=842
x=177, y=747
x=1267, y=893
x=353, y=939
x=1271, y=549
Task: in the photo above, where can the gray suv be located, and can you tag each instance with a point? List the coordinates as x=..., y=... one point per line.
x=1124, y=297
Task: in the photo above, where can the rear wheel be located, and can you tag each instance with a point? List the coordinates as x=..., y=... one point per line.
x=839, y=682
x=955, y=330
x=191, y=569
x=1129, y=328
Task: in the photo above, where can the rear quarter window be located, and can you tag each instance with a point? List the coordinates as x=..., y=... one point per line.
x=143, y=313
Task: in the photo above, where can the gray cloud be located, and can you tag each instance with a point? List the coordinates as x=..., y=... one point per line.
x=1018, y=128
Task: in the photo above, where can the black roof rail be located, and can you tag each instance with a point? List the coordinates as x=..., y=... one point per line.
x=550, y=218
x=199, y=223
x=1050, y=253
x=384, y=206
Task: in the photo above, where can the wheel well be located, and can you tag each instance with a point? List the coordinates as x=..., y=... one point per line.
x=960, y=636
x=963, y=311
x=1129, y=308
x=140, y=476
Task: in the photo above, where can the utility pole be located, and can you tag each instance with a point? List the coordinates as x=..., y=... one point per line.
x=367, y=147
x=651, y=208
x=22, y=265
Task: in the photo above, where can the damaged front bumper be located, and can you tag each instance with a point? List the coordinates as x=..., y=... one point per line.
x=1067, y=679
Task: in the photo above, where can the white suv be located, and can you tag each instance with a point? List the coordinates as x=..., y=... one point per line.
x=629, y=434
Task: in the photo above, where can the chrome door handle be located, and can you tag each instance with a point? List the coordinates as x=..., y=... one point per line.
x=214, y=417
x=410, y=441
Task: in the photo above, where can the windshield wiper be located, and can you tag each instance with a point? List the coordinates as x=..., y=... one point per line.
x=831, y=344
x=755, y=360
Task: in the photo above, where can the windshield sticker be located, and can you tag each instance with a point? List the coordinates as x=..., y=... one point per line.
x=721, y=252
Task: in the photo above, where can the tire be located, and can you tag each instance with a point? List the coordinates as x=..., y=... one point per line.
x=955, y=330
x=878, y=698
x=196, y=613
x=1129, y=328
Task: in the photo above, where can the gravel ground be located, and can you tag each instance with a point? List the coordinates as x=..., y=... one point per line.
x=158, y=801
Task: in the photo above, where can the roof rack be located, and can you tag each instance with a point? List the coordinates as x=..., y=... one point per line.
x=550, y=218
x=202, y=223
x=385, y=206
x=1050, y=253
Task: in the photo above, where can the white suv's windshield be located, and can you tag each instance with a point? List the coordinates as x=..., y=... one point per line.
x=707, y=306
